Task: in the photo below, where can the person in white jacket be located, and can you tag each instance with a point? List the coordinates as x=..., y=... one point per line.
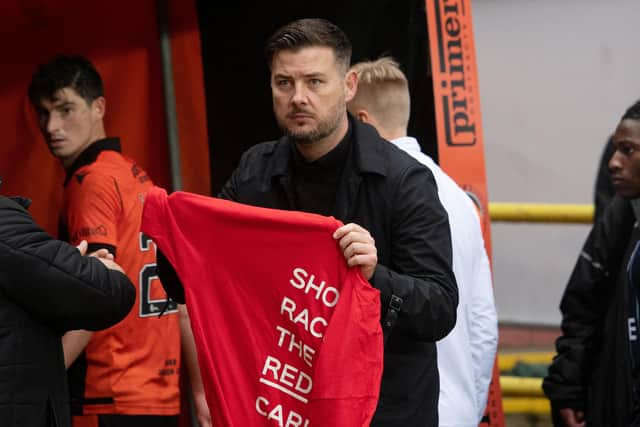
x=466, y=355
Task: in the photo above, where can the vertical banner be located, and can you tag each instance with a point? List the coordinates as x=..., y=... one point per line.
x=459, y=125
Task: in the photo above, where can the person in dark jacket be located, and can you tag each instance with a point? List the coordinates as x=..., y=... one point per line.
x=593, y=380
x=396, y=230
x=46, y=289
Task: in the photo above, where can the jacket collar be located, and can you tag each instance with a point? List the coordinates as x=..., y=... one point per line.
x=366, y=157
x=90, y=154
x=368, y=149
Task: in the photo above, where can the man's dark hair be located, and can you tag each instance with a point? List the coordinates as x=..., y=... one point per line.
x=309, y=33
x=75, y=72
x=632, y=112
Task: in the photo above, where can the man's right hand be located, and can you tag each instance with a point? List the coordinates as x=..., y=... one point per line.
x=103, y=255
x=111, y=264
x=358, y=248
x=572, y=418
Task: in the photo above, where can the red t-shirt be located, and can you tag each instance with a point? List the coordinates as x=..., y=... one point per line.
x=286, y=333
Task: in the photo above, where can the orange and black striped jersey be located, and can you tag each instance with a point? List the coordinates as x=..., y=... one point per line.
x=131, y=368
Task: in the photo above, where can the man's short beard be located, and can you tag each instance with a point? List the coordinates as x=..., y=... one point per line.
x=323, y=130
x=308, y=138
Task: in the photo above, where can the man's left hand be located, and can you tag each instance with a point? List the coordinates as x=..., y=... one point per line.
x=100, y=253
x=358, y=248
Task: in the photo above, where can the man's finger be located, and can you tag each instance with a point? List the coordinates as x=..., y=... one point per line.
x=345, y=229
x=82, y=247
x=358, y=248
x=102, y=253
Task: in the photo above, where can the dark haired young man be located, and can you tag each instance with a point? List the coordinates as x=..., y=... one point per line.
x=126, y=375
x=595, y=378
x=396, y=229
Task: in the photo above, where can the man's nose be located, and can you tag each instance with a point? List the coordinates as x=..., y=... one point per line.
x=299, y=94
x=614, y=162
x=52, y=123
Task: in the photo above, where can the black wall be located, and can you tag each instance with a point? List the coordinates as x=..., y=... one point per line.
x=237, y=78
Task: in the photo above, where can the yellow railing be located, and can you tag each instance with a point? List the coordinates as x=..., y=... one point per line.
x=506, y=361
x=526, y=405
x=521, y=386
x=523, y=395
x=541, y=212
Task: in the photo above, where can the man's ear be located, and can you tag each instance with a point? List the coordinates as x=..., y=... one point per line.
x=351, y=85
x=362, y=115
x=98, y=107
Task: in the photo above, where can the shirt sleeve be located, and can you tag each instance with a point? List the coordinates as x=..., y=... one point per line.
x=483, y=331
x=93, y=207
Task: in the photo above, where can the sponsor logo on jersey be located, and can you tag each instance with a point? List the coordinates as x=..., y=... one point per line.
x=85, y=232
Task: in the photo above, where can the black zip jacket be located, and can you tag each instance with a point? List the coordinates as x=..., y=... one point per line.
x=395, y=198
x=592, y=371
x=46, y=289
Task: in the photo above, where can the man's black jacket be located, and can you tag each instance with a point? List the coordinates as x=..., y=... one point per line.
x=46, y=289
x=592, y=370
x=394, y=197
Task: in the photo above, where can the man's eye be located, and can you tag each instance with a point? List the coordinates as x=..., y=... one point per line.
x=282, y=83
x=626, y=149
x=315, y=82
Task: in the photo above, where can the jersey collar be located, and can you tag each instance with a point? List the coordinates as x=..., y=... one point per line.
x=90, y=155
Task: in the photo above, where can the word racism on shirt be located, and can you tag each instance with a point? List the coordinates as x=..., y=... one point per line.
x=284, y=377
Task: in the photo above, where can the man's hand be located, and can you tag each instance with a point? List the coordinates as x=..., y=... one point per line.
x=572, y=418
x=111, y=264
x=358, y=248
x=74, y=343
x=103, y=255
x=100, y=253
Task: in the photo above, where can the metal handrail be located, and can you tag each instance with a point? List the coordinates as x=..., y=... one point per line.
x=506, y=361
x=526, y=405
x=541, y=212
x=521, y=386
x=523, y=395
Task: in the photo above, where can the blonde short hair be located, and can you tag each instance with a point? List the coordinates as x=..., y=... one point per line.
x=383, y=90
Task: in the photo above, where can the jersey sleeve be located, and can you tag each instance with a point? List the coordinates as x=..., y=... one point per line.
x=93, y=207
